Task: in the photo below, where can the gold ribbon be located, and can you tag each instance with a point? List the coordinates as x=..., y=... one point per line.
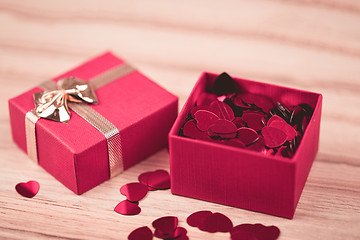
x=57, y=98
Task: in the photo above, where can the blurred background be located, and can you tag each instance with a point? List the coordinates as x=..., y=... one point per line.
x=311, y=45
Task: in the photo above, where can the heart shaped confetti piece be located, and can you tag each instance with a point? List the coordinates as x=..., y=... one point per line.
x=134, y=192
x=28, y=189
x=166, y=224
x=197, y=218
x=273, y=137
x=143, y=178
x=223, y=128
x=216, y=222
x=160, y=180
x=258, y=230
x=275, y=118
x=204, y=119
x=190, y=129
x=127, y=208
x=289, y=130
x=179, y=231
x=203, y=107
x=142, y=233
x=225, y=111
x=254, y=120
x=247, y=135
x=265, y=103
x=224, y=84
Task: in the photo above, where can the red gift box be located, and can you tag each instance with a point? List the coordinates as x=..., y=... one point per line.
x=240, y=177
x=77, y=153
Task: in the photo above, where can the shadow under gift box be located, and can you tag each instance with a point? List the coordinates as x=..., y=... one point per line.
x=75, y=153
x=240, y=177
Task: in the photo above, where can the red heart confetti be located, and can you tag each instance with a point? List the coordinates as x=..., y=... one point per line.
x=225, y=111
x=273, y=137
x=223, y=128
x=254, y=120
x=275, y=118
x=166, y=224
x=179, y=231
x=28, y=189
x=205, y=119
x=160, y=180
x=127, y=208
x=216, y=222
x=259, y=231
x=197, y=218
x=203, y=107
x=143, y=178
x=134, y=192
x=247, y=135
x=142, y=233
x=289, y=130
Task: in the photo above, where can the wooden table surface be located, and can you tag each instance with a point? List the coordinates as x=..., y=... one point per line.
x=311, y=45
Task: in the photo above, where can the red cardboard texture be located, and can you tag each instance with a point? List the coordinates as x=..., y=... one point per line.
x=76, y=153
x=240, y=177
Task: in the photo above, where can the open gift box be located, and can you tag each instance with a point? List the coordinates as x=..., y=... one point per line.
x=130, y=122
x=240, y=177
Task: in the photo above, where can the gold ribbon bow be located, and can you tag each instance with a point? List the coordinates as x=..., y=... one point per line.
x=53, y=105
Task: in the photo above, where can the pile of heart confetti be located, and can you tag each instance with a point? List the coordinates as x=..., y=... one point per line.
x=231, y=117
x=135, y=191
x=167, y=228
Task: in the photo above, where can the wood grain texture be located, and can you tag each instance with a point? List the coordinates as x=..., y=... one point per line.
x=312, y=45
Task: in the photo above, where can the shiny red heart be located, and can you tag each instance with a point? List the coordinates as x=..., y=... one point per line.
x=259, y=231
x=166, y=224
x=28, y=189
x=197, y=218
x=289, y=130
x=216, y=222
x=225, y=111
x=142, y=233
x=223, y=128
x=247, y=135
x=204, y=119
x=143, y=178
x=127, y=208
x=275, y=118
x=160, y=179
x=254, y=120
x=134, y=192
x=273, y=137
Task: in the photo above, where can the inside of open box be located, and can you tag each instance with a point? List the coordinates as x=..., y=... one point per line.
x=248, y=126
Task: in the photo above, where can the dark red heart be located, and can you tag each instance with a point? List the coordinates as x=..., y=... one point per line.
x=289, y=130
x=225, y=111
x=197, y=218
x=247, y=135
x=134, y=192
x=28, y=189
x=275, y=118
x=160, y=179
x=260, y=231
x=216, y=222
x=142, y=233
x=166, y=224
x=223, y=128
x=143, y=178
x=127, y=208
x=273, y=137
x=179, y=231
x=204, y=119
x=190, y=129
x=254, y=120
